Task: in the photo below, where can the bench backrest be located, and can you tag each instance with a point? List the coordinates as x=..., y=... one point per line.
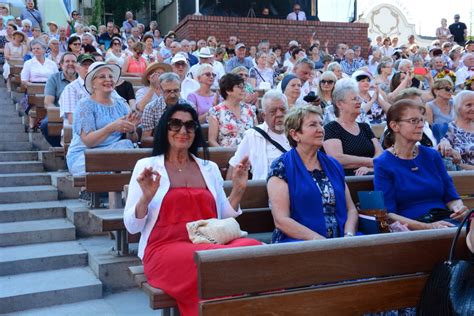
x=110, y=170
x=401, y=260
x=35, y=88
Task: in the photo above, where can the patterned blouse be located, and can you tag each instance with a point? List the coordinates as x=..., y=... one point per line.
x=327, y=195
x=231, y=128
x=462, y=141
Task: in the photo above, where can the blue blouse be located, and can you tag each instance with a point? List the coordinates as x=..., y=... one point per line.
x=412, y=187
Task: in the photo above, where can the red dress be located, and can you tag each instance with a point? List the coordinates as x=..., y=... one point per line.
x=169, y=254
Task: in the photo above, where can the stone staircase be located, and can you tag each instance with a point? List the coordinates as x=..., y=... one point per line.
x=41, y=262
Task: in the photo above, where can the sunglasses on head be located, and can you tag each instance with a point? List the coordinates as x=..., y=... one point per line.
x=175, y=125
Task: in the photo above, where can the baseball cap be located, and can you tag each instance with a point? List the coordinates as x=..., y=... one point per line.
x=240, y=45
x=84, y=57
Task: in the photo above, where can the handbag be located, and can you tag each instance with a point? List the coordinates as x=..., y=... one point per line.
x=435, y=215
x=450, y=287
x=214, y=231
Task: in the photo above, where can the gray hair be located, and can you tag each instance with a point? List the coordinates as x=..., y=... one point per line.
x=405, y=62
x=467, y=56
x=342, y=88
x=306, y=61
x=333, y=66
x=460, y=99
x=38, y=42
x=26, y=22
x=201, y=69
x=169, y=77
x=238, y=69
x=272, y=95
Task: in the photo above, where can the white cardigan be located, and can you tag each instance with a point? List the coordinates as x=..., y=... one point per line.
x=214, y=183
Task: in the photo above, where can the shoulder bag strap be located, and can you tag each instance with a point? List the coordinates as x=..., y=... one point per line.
x=268, y=138
x=258, y=73
x=455, y=240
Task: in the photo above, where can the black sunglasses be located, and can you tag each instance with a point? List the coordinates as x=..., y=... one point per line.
x=175, y=125
x=327, y=81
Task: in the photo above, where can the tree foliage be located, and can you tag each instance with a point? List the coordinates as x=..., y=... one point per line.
x=118, y=8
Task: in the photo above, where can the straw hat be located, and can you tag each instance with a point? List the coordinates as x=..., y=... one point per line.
x=152, y=68
x=96, y=67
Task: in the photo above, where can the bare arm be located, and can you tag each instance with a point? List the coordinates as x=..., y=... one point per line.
x=146, y=98
x=333, y=147
x=470, y=237
x=94, y=138
x=280, y=201
x=48, y=101
x=213, y=131
x=429, y=115
x=352, y=214
x=416, y=225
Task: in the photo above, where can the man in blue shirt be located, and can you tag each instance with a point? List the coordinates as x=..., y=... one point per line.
x=239, y=59
x=106, y=38
x=53, y=89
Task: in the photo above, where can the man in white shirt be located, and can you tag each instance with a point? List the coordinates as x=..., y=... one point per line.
x=262, y=152
x=180, y=66
x=466, y=71
x=297, y=14
x=75, y=91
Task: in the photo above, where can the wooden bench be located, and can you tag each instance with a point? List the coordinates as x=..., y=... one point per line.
x=343, y=276
x=158, y=299
x=15, y=77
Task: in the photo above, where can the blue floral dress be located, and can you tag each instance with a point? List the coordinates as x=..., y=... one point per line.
x=91, y=116
x=277, y=169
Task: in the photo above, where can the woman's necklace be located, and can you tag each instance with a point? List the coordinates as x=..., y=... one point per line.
x=414, y=154
x=180, y=168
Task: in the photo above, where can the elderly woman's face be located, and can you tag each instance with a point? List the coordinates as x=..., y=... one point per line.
x=103, y=81
x=207, y=77
x=37, y=50
x=237, y=92
x=445, y=91
x=351, y=103
x=466, y=110
x=311, y=132
x=326, y=84
x=410, y=126
x=338, y=72
x=293, y=89
x=181, y=130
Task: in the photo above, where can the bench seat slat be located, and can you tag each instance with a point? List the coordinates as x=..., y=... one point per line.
x=319, y=262
x=350, y=299
x=158, y=298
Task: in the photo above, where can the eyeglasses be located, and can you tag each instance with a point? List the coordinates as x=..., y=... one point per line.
x=175, y=125
x=414, y=120
x=180, y=64
x=447, y=89
x=327, y=81
x=356, y=99
x=171, y=91
x=240, y=86
x=210, y=74
x=76, y=44
x=104, y=77
x=116, y=44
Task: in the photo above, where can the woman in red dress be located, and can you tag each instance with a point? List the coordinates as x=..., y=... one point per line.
x=170, y=189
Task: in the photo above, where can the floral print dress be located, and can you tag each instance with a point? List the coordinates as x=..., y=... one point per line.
x=462, y=141
x=231, y=128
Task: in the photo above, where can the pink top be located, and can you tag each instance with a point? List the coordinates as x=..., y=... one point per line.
x=136, y=66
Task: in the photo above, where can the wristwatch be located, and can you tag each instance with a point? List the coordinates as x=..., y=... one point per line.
x=348, y=234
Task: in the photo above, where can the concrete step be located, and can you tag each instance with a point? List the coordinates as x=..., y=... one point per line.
x=41, y=257
x=19, y=136
x=21, y=167
x=19, y=179
x=35, y=232
x=130, y=302
x=14, y=119
x=18, y=155
x=19, y=146
x=17, y=127
x=28, y=194
x=40, y=289
x=19, y=212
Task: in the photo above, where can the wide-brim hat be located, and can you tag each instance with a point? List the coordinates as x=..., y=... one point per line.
x=152, y=68
x=21, y=34
x=53, y=23
x=96, y=67
x=205, y=52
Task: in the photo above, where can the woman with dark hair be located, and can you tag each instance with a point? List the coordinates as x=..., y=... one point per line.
x=74, y=45
x=170, y=189
x=229, y=120
x=418, y=192
x=149, y=53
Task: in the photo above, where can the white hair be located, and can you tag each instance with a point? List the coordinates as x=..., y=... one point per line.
x=460, y=98
x=201, y=69
x=271, y=95
x=343, y=87
x=26, y=22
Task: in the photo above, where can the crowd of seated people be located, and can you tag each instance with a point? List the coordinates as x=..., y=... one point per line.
x=300, y=121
